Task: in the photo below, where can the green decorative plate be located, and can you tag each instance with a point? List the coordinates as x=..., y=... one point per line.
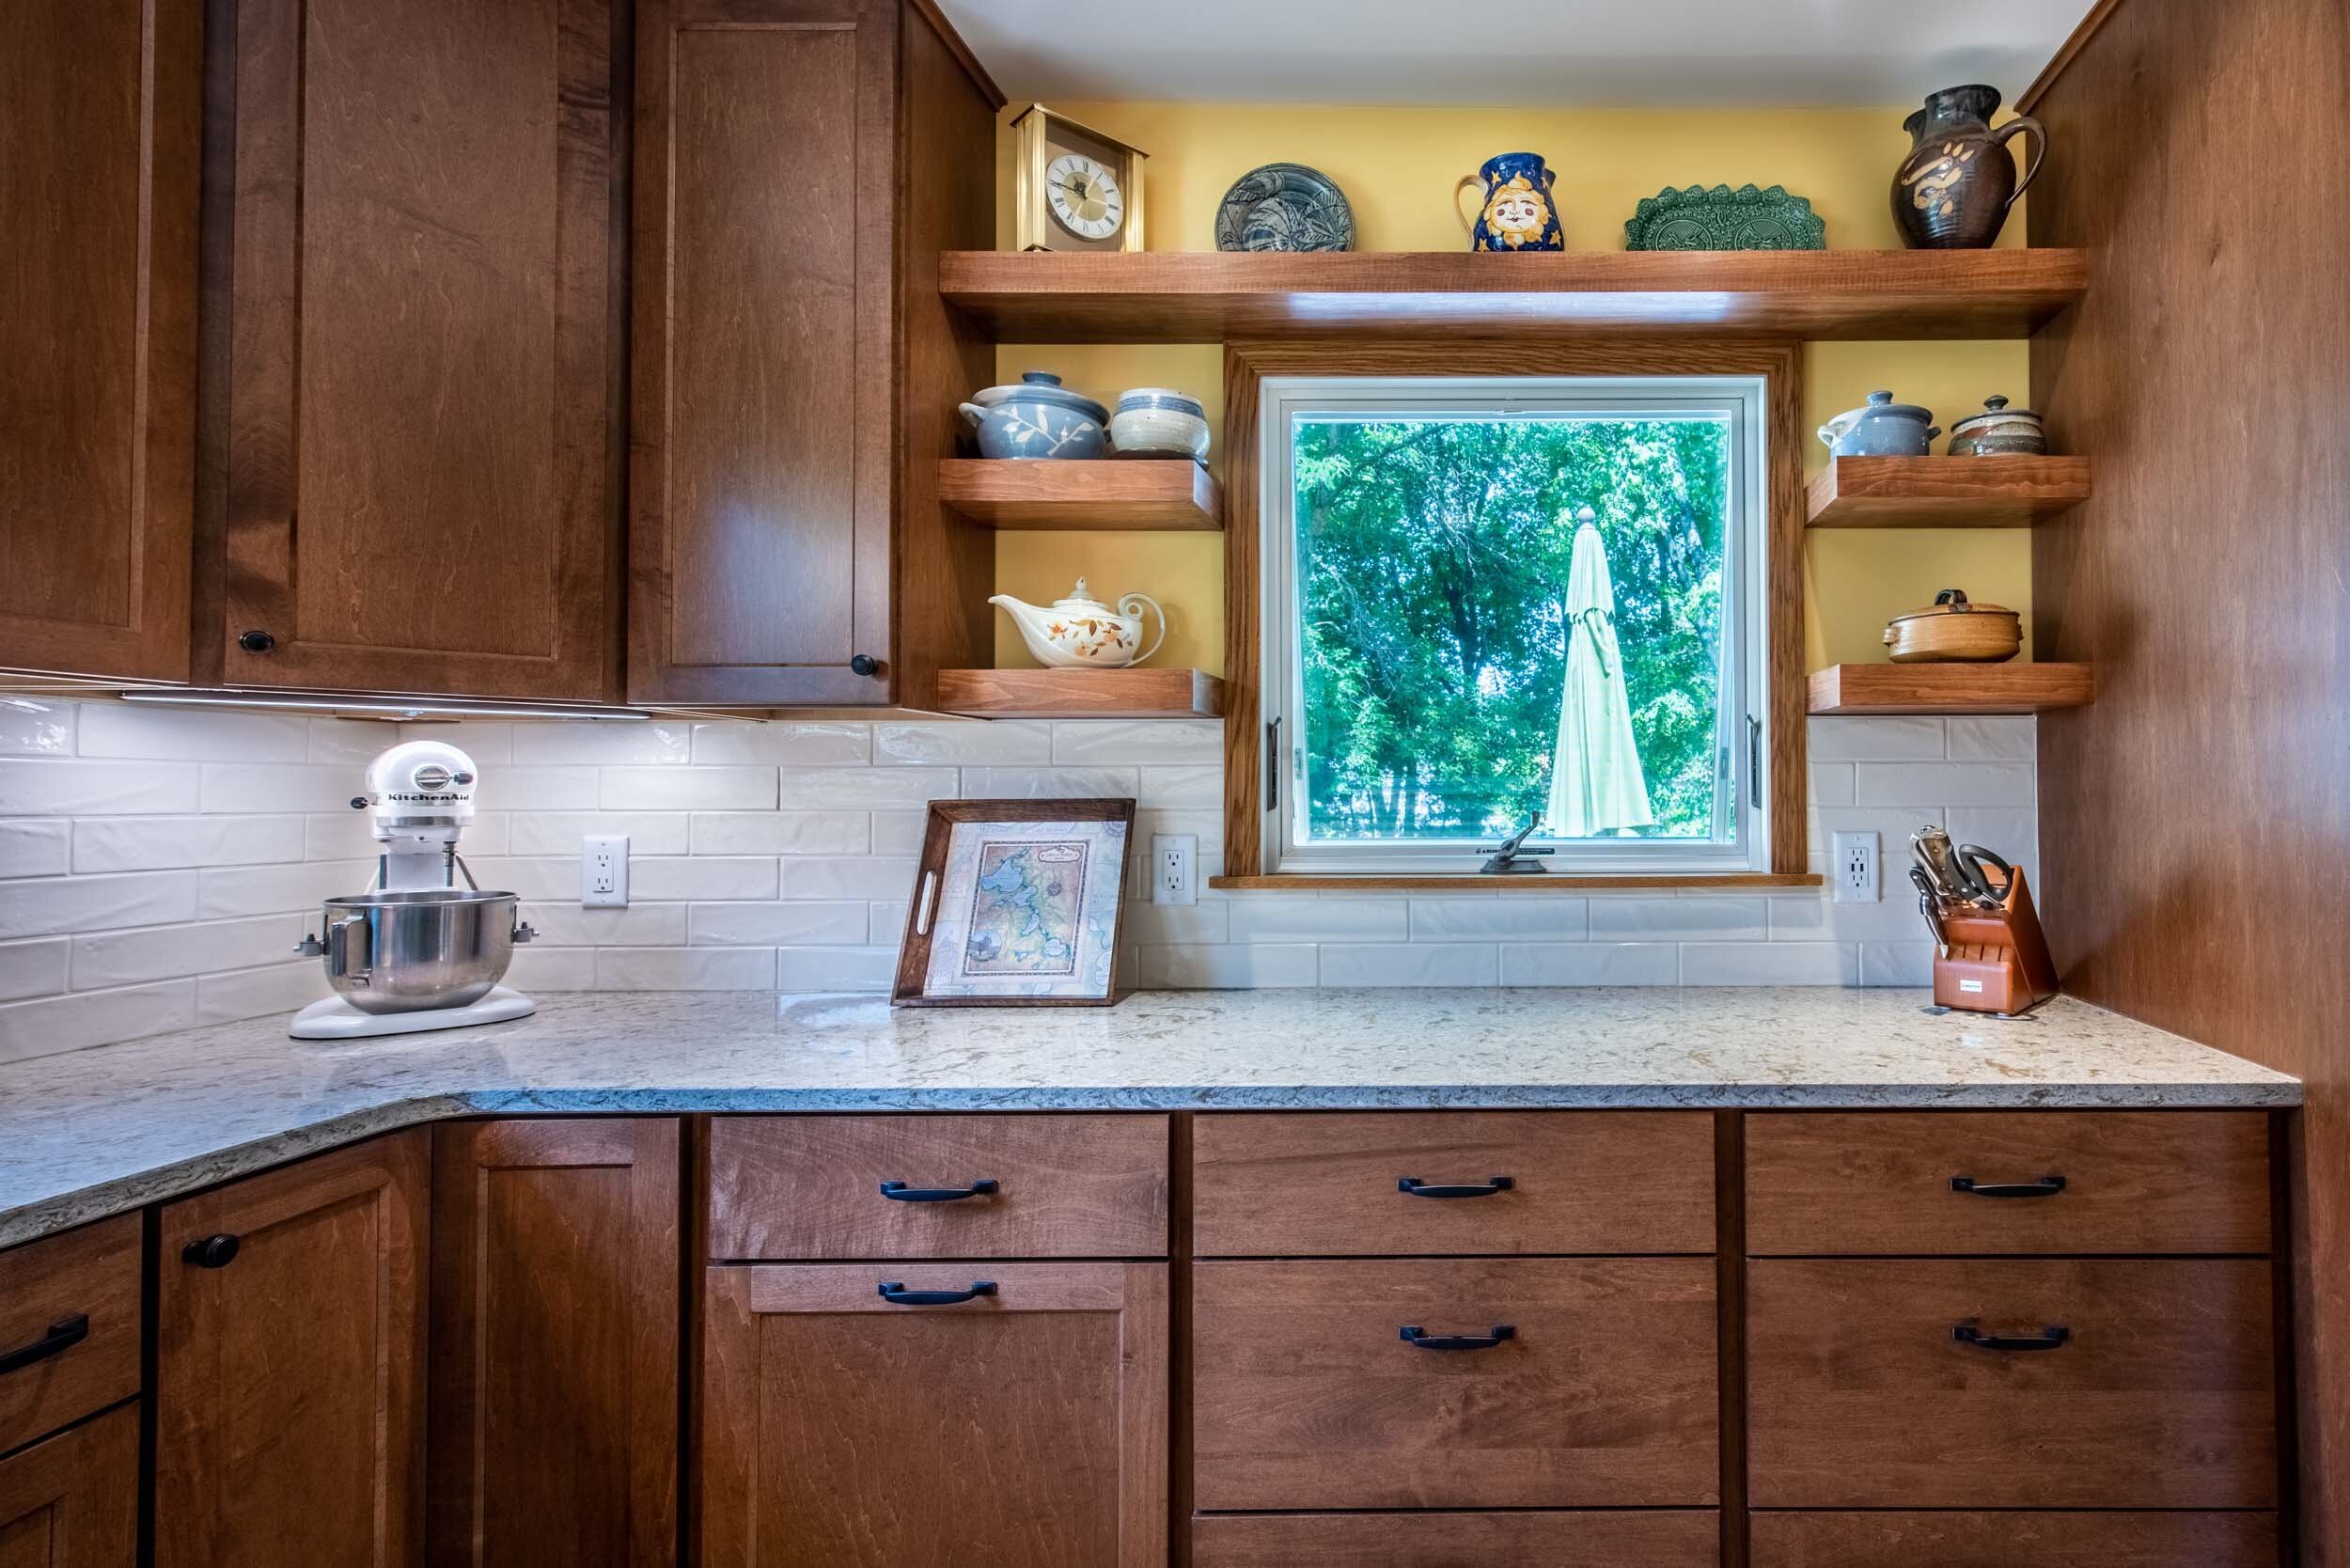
x=1724, y=219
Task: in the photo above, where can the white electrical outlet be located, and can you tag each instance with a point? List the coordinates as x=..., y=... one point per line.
x=603, y=869
x=1852, y=869
x=1174, y=868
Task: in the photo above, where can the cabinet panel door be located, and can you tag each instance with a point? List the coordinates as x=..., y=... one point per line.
x=76, y=1296
x=2016, y=1539
x=759, y=484
x=554, y=1343
x=1024, y=1426
x=290, y=1377
x=423, y=424
x=100, y=117
x=74, y=1500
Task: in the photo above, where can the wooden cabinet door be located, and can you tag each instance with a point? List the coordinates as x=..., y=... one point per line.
x=290, y=1365
x=423, y=423
x=1026, y=1425
x=554, y=1344
x=100, y=147
x=74, y=1500
x=762, y=436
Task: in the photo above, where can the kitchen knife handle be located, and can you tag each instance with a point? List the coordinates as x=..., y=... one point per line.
x=1967, y=1334
x=1419, y=1338
x=2047, y=1186
x=898, y=1295
x=1418, y=1188
x=897, y=1192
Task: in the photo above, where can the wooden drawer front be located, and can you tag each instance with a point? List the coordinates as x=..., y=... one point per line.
x=1066, y=1187
x=70, y=1318
x=1305, y=1396
x=1662, y=1539
x=2014, y=1540
x=1597, y=1181
x=2134, y=1181
x=2161, y=1396
x=73, y=1501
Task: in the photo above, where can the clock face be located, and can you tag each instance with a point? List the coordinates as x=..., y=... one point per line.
x=1084, y=196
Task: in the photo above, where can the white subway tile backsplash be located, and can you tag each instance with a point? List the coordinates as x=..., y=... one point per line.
x=1350, y=964
x=1870, y=740
x=1231, y=966
x=560, y=832
x=1097, y=743
x=163, y=843
x=1638, y=918
x=565, y=789
x=1304, y=917
x=105, y=959
x=489, y=742
x=1769, y=964
x=277, y=787
x=604, y=742
x=1501, y=916
x=693, y=788
x=864, y=969
x=536, y=968
x=1591, y=964
x=46, y=787
x=250, y=992
x=192, y=734
x=781, y=833
x=1994, y=738
x=56, y=1024
x=351, y=742
x=749, y=925
x=35, y=846
x=962, y=743
x=635, y=925
x=784, y=743
x=349, y=835
x=900, y=833
x=33, y=969
x=1831, y=784
x=233, y=890
x=1946, y=784
x=685, y=968
x=535, y=879
x=51, y=906
x=36, y=726
x=847, y=789
x=1185, y=788
x=1155, y=924
x=2012, y=833
x=869, y=877
x=1897, y=963
x=700, y=876
x=1041, y=783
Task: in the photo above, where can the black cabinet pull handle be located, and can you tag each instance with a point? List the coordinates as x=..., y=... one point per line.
x=1419, y=1338
x=256, y=641
x=1967, y=1334
x=897, y=1192
x=864, y=664
x=2047, y=1186
x=212, y=1251
x=1418, y=1188
x=63, y=1336
x=898, y=1295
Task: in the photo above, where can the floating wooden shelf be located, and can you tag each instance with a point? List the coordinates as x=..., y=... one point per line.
x=2009, y=688
x=1111, y=493
x=1210, y=296
x=1946, y=491
x=1169, y=693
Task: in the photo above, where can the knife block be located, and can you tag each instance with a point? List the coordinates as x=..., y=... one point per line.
x=1998, y=960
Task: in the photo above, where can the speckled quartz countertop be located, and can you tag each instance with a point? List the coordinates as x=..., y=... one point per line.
x=93, y=1133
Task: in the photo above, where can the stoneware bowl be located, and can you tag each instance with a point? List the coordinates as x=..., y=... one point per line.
x=1955, y=629
x=1038, y=418
x=1999, y=432
x=1156, y=421
x=1882, y=429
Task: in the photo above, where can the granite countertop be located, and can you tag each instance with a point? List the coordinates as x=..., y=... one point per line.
x=94, y=1133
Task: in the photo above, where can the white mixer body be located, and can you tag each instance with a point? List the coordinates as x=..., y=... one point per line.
x=421, y=797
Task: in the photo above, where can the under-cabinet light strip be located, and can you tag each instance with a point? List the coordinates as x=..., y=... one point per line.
x=375, y=707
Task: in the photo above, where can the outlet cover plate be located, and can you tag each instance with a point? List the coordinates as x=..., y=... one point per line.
x=1174, y=868
x=604, y=869
x=1854, y=869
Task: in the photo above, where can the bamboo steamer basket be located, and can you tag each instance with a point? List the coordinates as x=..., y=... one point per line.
x=1955, y=629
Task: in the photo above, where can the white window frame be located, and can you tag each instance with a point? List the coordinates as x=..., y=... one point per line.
x=1741, y=842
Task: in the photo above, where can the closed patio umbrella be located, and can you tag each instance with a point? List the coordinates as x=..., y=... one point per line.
x=1596, y=786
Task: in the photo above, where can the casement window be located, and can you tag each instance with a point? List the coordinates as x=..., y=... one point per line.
x=1492, y=602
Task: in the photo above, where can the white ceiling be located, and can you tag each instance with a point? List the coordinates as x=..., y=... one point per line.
x=1517, y=52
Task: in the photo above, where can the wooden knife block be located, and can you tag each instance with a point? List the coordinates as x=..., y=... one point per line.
x=1998, y=960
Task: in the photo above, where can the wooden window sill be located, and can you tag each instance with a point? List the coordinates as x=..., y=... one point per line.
x=1545, y=882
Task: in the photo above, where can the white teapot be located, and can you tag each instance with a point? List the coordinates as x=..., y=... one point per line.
x=1081, y=633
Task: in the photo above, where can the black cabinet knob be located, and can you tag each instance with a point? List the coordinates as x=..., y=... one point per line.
x=864, y=664
x=212, y=1251
x=257, y=641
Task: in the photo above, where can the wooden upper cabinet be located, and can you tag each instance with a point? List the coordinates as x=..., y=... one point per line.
x=100, y=129
x=554, y=1398
x=422, y=430
x=290, y=1365
x=766, y=217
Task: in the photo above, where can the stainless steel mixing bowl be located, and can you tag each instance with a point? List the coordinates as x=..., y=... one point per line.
x=406, y=952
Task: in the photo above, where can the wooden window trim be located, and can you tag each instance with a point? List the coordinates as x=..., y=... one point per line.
x=1246, y=362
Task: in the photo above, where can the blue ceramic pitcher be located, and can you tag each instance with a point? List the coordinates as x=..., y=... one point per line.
x=1517, y=213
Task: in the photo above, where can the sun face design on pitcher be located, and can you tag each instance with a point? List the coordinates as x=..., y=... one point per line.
x=1517, y=213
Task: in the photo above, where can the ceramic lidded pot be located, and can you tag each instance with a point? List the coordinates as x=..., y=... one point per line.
x=1883, y=429
x=1999, y=430
x=1159, y=422
x=1517, y=213
x=1953, y=190
x=1081, y=633
x=1955, y=629
x=1038, y=418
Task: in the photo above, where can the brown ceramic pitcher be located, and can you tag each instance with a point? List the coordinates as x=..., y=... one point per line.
x=1954, y=188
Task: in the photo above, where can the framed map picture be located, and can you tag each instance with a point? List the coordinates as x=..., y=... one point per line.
x=1017, y=904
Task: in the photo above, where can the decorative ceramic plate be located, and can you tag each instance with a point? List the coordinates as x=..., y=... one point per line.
x=1284, y=207
x=1724, y=219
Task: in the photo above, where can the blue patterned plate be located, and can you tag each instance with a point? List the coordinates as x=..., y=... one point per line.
x=1284, y=207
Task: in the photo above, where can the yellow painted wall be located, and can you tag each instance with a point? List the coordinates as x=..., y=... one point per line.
x=1398, y=169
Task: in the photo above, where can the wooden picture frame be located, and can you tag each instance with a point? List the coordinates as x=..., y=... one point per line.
x=943, y=887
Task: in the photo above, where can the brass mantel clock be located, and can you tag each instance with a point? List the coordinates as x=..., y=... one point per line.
x=1077, y=188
